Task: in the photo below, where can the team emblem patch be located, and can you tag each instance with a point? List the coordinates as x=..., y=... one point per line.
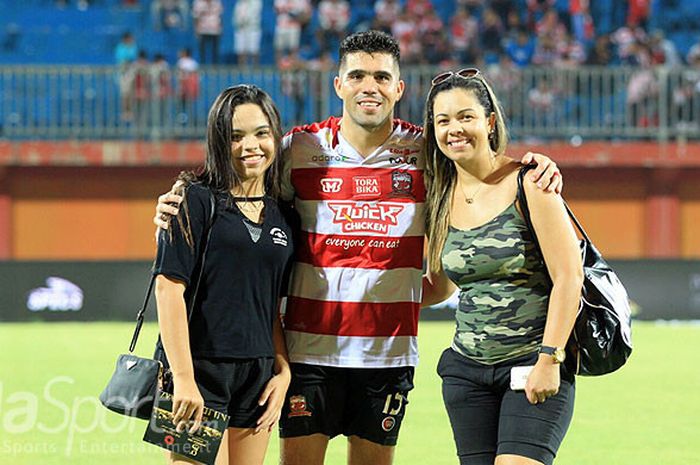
x=401, y=184
x=297, y=407
x=388, y=423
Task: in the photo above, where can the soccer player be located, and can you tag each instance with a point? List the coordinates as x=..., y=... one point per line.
x=352, y=312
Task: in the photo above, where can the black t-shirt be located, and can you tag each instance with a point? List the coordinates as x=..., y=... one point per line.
x=246, y=271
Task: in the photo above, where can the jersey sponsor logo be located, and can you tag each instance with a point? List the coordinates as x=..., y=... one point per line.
x=403, y=156
x=365, y=217
x=298, y=407
x=401, y=184
x=388, y=424
x=279, y=237
x=365, y=186
x=403, y=160
x=329, y=158
x=331, y=185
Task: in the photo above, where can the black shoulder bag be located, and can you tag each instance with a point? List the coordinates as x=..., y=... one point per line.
x=134, y=385
x=601, y=341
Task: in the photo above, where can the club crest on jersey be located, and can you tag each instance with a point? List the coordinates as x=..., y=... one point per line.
x=365, y=186
x=401, y=184
x=331, y=185
x=279, y=237
x=297, y=407
x=365, y=217
x=388, y=423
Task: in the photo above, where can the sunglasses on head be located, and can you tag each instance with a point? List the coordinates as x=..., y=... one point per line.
x=466, y=73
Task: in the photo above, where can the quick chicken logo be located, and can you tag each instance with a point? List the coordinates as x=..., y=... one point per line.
x=359, y=217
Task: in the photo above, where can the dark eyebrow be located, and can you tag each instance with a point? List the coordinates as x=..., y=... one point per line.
x=265, y=126
x=376, y=74
x=463, y=110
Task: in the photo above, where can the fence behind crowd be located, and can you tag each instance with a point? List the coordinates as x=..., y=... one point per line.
x=153, y=102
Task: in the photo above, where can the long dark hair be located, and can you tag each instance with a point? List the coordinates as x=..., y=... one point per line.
x=441, y=174
x=218, y=172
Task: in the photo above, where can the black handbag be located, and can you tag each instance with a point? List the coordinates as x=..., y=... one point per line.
x=134, y=385
x=601, y=340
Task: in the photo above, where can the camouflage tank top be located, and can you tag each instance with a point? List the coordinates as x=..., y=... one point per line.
x=504, y=288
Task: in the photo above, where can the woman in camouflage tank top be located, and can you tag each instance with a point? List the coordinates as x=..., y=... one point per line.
x=515, y=309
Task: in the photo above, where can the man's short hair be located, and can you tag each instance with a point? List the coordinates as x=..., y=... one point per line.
x=370, y=42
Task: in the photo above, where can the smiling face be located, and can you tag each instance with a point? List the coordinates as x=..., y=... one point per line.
x=369, y=86
x=252, y=142
x=461, y=125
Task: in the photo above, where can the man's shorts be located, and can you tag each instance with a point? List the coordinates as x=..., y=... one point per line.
x=490, y=419
x=247, y=42
x=287, y=38
x=366, y=402
x=234, y=386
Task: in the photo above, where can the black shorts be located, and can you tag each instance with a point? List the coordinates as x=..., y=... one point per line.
x=490, y=419
x=366, y=402
x=234, y=386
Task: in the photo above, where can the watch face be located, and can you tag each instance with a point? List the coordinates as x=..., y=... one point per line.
x=559, y=355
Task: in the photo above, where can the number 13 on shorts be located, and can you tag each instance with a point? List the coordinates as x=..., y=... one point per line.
x=395, y=401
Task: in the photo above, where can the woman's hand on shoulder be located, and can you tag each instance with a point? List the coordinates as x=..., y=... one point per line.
x=273, y=396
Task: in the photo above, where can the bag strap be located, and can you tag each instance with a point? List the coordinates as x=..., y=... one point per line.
x=140, y=314
x=522, y=200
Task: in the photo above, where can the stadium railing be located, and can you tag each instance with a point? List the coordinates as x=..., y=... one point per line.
x=88, y=102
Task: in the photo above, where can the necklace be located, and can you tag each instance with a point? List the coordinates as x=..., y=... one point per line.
x=468, y=199
x=248, y=199
x=249, y=204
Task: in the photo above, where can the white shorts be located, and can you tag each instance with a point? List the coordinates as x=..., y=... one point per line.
x=287, y=38
x=247, y=42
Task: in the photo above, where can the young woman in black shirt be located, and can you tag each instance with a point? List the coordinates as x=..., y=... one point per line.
x=230, y=355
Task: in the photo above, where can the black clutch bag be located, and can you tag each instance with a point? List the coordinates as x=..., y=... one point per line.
x=134, y=385
x=601, y=340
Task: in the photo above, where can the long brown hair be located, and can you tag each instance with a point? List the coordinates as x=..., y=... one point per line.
x=441, y=174
x=218, y=172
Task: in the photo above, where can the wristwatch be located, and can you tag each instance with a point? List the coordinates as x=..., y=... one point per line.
x=558, y=354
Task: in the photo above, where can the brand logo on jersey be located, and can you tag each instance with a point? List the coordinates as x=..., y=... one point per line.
x=403, y=160
x=365, y=186
x=404, y=156
x=401, y=184
x=331, y=185
x=329, y=158
x=359, y=217
x=279, y=237
x=388, y=424
x=297, y=407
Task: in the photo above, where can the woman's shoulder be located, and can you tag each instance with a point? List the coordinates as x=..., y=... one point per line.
x=198, y=197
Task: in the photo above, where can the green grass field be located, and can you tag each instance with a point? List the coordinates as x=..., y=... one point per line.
x=50, y=376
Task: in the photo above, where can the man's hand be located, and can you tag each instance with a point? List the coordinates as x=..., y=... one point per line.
x=168, y=206
x=546, y=174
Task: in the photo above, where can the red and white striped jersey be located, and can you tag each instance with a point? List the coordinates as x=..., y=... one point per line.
x=355, y=294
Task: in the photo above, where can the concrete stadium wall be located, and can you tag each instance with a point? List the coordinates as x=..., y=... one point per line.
x=94, y=200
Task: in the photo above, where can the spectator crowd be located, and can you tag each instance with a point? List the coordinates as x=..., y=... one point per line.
x=501, y=36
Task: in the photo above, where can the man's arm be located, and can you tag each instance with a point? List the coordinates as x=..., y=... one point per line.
x=546, y=174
